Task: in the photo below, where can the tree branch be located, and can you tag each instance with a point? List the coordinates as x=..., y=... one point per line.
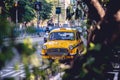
x=98, y=7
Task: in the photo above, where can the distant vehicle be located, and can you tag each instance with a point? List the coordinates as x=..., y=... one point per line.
x=47, y=30
x=56, y=25
x=39, y=31
x=50, y=28
x=66, y=25
x=62, y=43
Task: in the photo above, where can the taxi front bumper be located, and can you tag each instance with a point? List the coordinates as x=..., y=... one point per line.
x=57, y=57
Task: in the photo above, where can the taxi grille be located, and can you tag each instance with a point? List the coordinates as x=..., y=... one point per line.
x=57, y=51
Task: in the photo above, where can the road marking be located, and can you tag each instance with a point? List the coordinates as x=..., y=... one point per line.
x=6, y=70
x=8, y=73
x=18, y=72
x=115, y=75
x=10, y=67
x=116, y=70
x=1, y=72
x=21, y=65
x=22, y=75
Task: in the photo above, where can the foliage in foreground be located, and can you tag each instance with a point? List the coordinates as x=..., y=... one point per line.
x=97, y=62
x=6, y=53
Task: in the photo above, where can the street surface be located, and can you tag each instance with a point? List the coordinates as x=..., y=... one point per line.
x=9, y=71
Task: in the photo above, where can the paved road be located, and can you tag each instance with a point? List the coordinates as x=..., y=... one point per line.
x=9, y=71
x=17, y=74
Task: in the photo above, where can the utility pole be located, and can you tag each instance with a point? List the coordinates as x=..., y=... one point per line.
x=16, y=5
x=38, y=8
x=38, y=19
x=16, y=17
x=58, y=11
x=58, y=15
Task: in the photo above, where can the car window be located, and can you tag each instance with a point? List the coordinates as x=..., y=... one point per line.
x=62, y=36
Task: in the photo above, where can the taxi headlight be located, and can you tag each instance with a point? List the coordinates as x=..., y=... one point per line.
x=44, y=47
x=70, y=47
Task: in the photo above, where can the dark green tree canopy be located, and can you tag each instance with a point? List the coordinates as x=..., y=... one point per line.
x=25, y=8
x=46, y=10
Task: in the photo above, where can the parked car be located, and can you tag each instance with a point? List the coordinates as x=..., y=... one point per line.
x=62, y=43
x=66, y=25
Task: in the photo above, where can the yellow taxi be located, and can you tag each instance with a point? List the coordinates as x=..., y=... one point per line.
x=62, y=43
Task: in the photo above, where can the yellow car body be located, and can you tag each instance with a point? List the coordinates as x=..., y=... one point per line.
x=68, y=45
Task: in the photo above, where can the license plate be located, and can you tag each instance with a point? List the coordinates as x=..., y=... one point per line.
x=56, y=57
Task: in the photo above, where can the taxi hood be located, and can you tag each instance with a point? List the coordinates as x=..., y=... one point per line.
x=59, y=44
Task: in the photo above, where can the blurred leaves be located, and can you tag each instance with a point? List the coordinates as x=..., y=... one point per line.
x=24, y=8
x=32, y=77
x=30, y=30
x=5, y=29
x=26, y=11
x=16, y=66
x=39, y=73
x=26, y=48
x=27, y=72
x=33, y=59
x=93, y=46
x=6, y=54
x=84, y=50
x=46, y=10
x=90, y=61
x=5, y=26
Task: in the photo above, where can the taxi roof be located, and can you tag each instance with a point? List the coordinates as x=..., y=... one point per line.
x=64, y=29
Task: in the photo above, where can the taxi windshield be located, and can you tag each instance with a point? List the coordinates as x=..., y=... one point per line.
x=62, y=36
